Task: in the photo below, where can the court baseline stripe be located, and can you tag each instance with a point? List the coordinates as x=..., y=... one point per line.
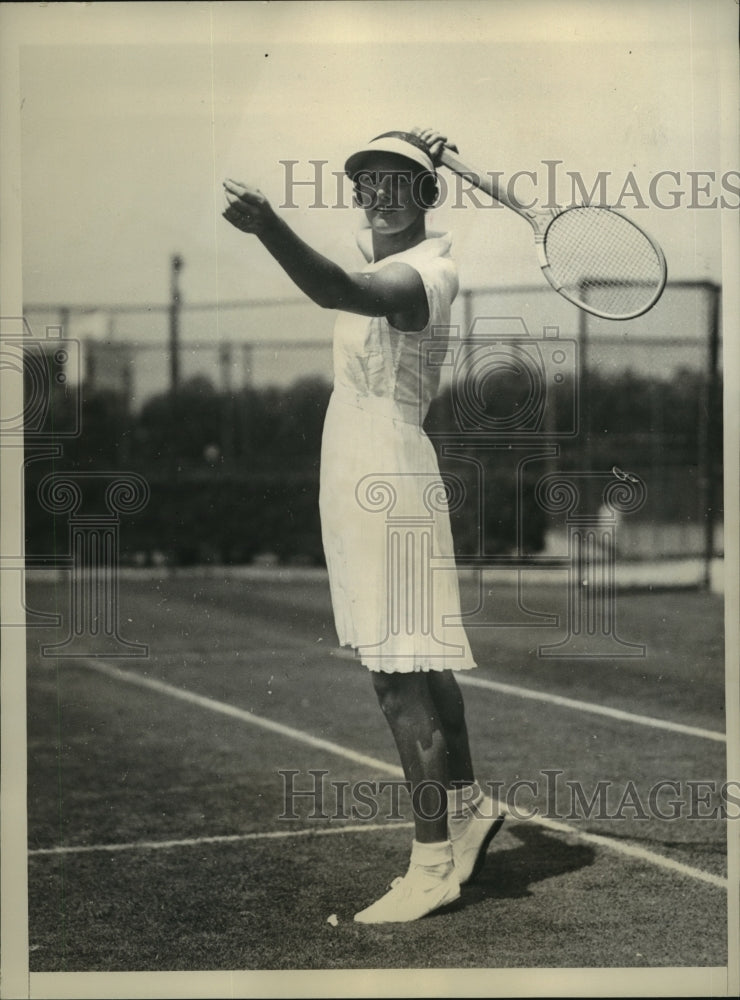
x=131, y=677
x=226, y=838
x=235, y=838
x=128, y=676
x=466, y=677
x=588, y=706
x=633, y=851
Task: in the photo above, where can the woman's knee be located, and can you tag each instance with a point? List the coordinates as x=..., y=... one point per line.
x=396, y=693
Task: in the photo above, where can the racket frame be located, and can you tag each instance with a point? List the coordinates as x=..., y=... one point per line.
x=541, y=219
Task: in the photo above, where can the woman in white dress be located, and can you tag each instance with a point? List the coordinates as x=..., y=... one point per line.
x=385, y=523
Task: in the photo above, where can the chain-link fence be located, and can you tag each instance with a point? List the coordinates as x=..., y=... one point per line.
x=220, y=408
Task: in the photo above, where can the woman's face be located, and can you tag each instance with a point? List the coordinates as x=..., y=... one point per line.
x=386, y=191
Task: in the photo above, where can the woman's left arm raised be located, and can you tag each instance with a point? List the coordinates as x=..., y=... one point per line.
x=396, y=289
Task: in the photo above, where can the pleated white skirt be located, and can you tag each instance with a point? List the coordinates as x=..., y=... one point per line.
x=387, y=539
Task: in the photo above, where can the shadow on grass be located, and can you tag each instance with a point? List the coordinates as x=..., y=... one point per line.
x=539, y=856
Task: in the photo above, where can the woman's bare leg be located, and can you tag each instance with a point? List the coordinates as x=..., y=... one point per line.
x=448, y=701
x=412, y=715
x=473, y=817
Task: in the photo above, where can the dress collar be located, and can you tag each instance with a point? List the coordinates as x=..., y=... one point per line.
x=437, y=244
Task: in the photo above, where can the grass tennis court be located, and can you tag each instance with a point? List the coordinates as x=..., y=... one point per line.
x=155, y=796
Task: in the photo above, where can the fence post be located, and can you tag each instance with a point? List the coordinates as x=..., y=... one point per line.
x=176, y=265
x=712, y=434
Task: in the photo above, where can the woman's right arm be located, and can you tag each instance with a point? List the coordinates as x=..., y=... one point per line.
x=393, y=290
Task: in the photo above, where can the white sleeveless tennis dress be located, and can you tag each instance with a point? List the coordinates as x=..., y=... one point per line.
x=384, y=514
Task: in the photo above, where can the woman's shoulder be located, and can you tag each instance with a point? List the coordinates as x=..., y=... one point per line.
x=435, y=263
x=432, y=259
x=436, y=247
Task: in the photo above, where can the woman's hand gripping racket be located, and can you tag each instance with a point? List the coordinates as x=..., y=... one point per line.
x=596, y=258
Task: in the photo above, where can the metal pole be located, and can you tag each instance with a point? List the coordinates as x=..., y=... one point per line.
x=712, y=446
x=247, y=366
x=467, y=297
x=227, y=399
x=176, y=262
x=584, y=408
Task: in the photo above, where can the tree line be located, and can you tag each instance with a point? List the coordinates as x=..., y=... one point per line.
x=234, y=476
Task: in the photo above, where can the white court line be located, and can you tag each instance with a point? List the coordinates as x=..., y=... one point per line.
x=226, y=838
x=238, y=713
x=224, y=708
x=589, y=706
x=157, y=845
x=464, y=677
x=633, y=851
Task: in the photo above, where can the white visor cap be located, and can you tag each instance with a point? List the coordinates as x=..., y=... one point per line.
x=404, y=144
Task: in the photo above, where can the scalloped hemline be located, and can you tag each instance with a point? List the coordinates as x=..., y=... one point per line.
x=400, y=665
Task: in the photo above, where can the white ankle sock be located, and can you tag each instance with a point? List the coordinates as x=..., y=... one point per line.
x=434, y=858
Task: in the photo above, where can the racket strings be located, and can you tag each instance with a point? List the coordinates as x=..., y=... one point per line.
x=602, y=260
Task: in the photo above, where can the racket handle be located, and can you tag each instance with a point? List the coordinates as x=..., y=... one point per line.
x=484, y=181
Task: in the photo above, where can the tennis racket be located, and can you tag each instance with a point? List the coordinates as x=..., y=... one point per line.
x=594, y=257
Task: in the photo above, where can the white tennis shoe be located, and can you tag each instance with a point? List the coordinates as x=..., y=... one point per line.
x=412, y=896
x=471, y=831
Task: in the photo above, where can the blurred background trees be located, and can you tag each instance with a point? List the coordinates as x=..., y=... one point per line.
x=234, y=475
